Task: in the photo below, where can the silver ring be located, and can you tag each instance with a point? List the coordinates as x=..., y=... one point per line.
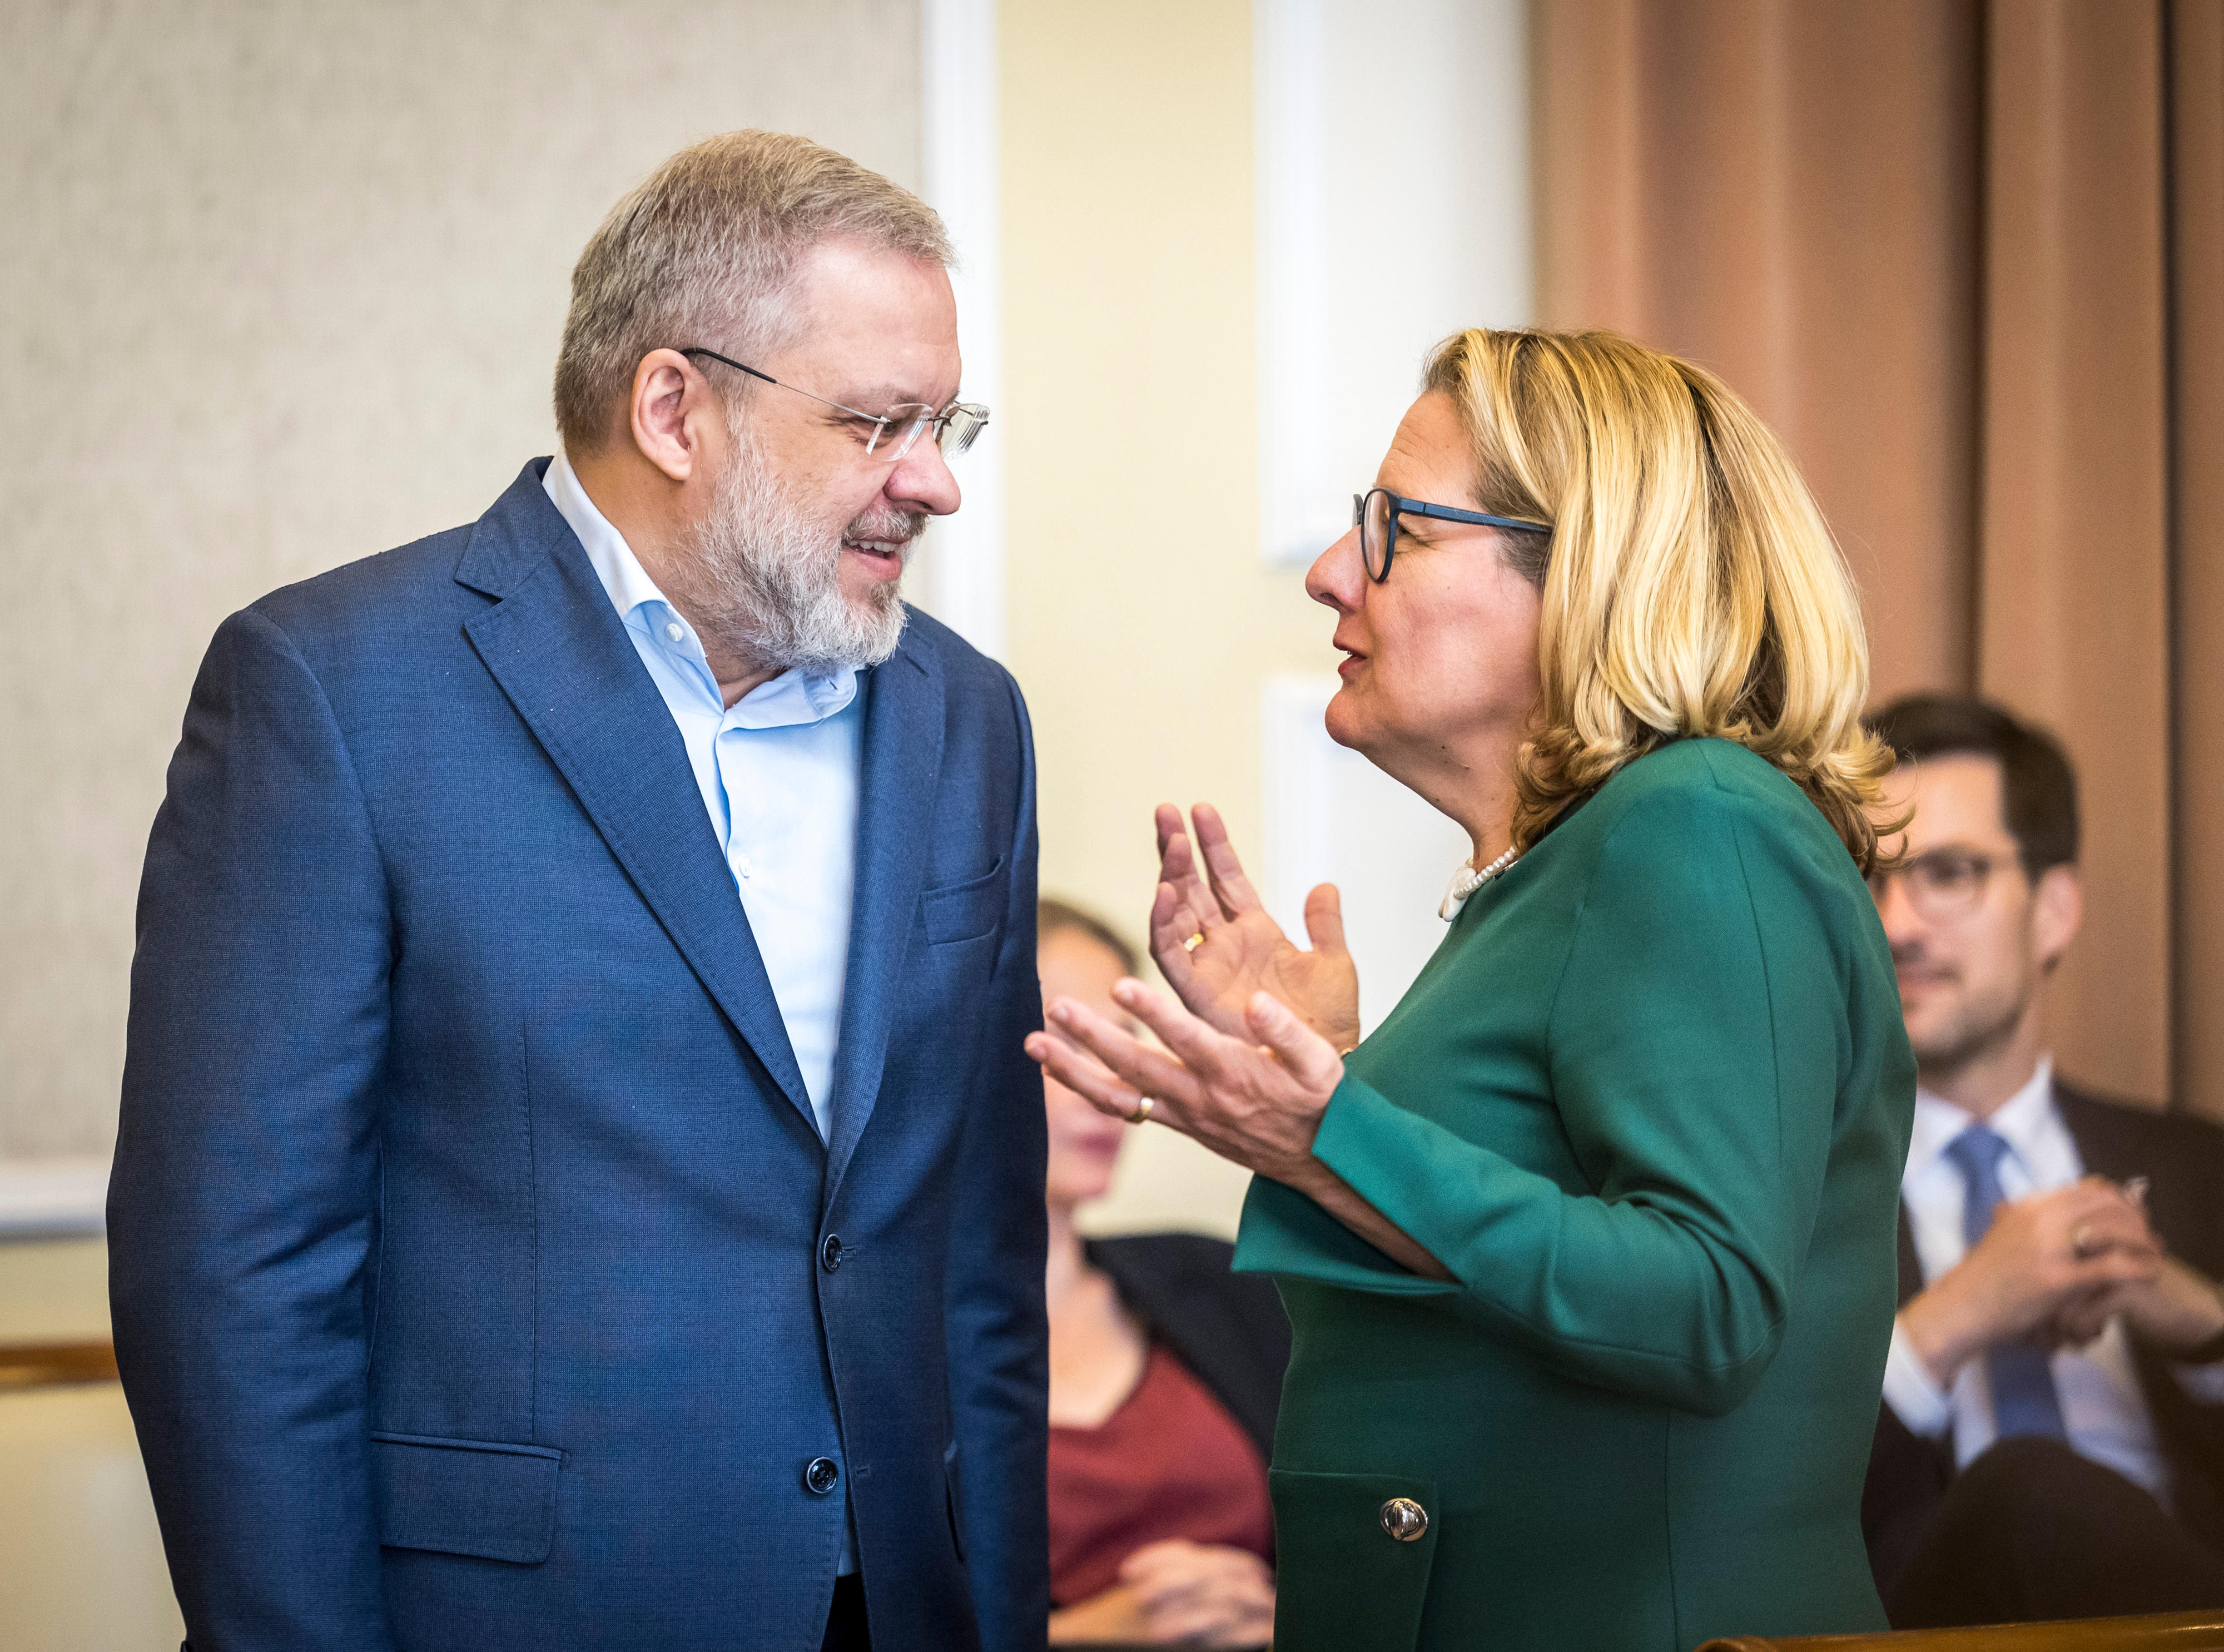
x=1142, y=1113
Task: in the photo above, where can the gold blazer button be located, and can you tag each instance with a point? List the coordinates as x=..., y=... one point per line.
x=1404, y=1519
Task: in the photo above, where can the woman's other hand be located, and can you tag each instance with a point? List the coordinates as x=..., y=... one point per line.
x=1197, y=1594
x=1201, y=1594
x=1256, y=1099
x=1116, y=1615
x=1204, y=893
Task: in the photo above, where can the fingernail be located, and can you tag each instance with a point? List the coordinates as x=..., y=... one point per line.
x=1060, y=1014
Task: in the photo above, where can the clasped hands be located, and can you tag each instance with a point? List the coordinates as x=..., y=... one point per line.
x=2056, y=1268
x=1197, y=1594
x=1250, y=1038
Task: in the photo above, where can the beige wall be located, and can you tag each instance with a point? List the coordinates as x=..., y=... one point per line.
x=282, y=286
x=81, y=1567
x=1142, y=619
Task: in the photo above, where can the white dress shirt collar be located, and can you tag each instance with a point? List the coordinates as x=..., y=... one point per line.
x=794, y=697
x=2026, y=1120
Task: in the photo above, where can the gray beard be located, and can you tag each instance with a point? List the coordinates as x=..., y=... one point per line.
x=765, y=578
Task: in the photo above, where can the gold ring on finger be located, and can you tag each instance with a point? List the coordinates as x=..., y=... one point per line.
x=1194, y=942
x=1142, y=1113
x=2080, y=1242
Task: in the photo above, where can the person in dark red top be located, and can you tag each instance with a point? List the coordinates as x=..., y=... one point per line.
x=1166, y=1370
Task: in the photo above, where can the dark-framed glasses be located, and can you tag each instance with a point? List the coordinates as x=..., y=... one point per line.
x=1942, y=885
x=887, y=436
x=1375, y=514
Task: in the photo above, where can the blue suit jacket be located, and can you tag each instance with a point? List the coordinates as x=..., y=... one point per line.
x=469, y=1231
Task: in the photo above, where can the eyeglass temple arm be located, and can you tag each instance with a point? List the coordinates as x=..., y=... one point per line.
x=739, y=367
x=881, y=420
x=980, y=419
x=1445, y=513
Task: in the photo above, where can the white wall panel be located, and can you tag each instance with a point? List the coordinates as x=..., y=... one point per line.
x=1392, y=181
x=963, y=556
x=283, y=286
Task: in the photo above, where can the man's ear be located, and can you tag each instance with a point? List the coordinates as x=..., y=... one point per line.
x=2058, y=909
x=666, y=413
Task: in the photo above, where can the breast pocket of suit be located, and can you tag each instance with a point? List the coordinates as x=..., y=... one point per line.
x=967, y=911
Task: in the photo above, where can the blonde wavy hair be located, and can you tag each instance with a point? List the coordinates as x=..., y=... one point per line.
x=1689, y=585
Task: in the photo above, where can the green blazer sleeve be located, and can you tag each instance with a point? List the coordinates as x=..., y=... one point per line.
x=1703, y=1130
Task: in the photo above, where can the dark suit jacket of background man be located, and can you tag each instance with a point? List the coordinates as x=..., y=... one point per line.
x=2184, y=1158
x=474, y=1255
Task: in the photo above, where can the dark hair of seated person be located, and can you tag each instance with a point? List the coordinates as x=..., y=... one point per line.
x=1167, y=1369
x=2038, y=790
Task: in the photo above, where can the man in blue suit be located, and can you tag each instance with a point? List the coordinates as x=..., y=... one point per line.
x=579, y=1183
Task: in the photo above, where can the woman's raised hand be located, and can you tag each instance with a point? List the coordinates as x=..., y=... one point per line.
x=1215, y=944
x=1256, y=1096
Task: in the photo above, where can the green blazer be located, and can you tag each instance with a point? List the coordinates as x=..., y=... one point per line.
x=1649, y=1104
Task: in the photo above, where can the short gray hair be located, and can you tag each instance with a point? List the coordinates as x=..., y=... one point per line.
x=706, y=252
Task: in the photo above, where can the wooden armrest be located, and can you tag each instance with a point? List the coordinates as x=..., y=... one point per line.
x=39, y=1364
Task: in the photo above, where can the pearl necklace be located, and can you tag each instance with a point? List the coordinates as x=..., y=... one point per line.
x=1466, y=881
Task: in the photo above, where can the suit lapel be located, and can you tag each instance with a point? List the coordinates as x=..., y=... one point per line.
x=560, y=653
x=2108, y=1139
x=900, y=762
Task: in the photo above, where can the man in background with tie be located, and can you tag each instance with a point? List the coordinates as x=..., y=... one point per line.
x=2051, y=1442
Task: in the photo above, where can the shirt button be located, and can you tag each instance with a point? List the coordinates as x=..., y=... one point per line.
x=741, y=865
x=830, y=1254
x=676, y=632
x=821, y=1474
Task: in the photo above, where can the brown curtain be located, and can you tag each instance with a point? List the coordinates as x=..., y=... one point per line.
x=1968, y=259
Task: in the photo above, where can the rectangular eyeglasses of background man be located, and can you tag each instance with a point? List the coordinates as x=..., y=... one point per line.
x=538, y=916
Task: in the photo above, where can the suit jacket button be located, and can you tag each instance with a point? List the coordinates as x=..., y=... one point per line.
x=1404, y=1519
x=830, y=1254
x=821, y=1474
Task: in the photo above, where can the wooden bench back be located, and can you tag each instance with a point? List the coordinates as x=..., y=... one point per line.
x=2200, y=1631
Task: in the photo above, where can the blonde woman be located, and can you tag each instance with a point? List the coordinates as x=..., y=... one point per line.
x=1589, y=1249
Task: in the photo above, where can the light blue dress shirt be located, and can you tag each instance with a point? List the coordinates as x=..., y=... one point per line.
x=778, y=771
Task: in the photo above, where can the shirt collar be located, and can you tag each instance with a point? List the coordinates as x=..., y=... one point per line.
x=793, y=697
x=623, y=576
x=2021, y=1119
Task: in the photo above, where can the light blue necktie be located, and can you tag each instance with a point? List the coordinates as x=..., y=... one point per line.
x=2024, y=1399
